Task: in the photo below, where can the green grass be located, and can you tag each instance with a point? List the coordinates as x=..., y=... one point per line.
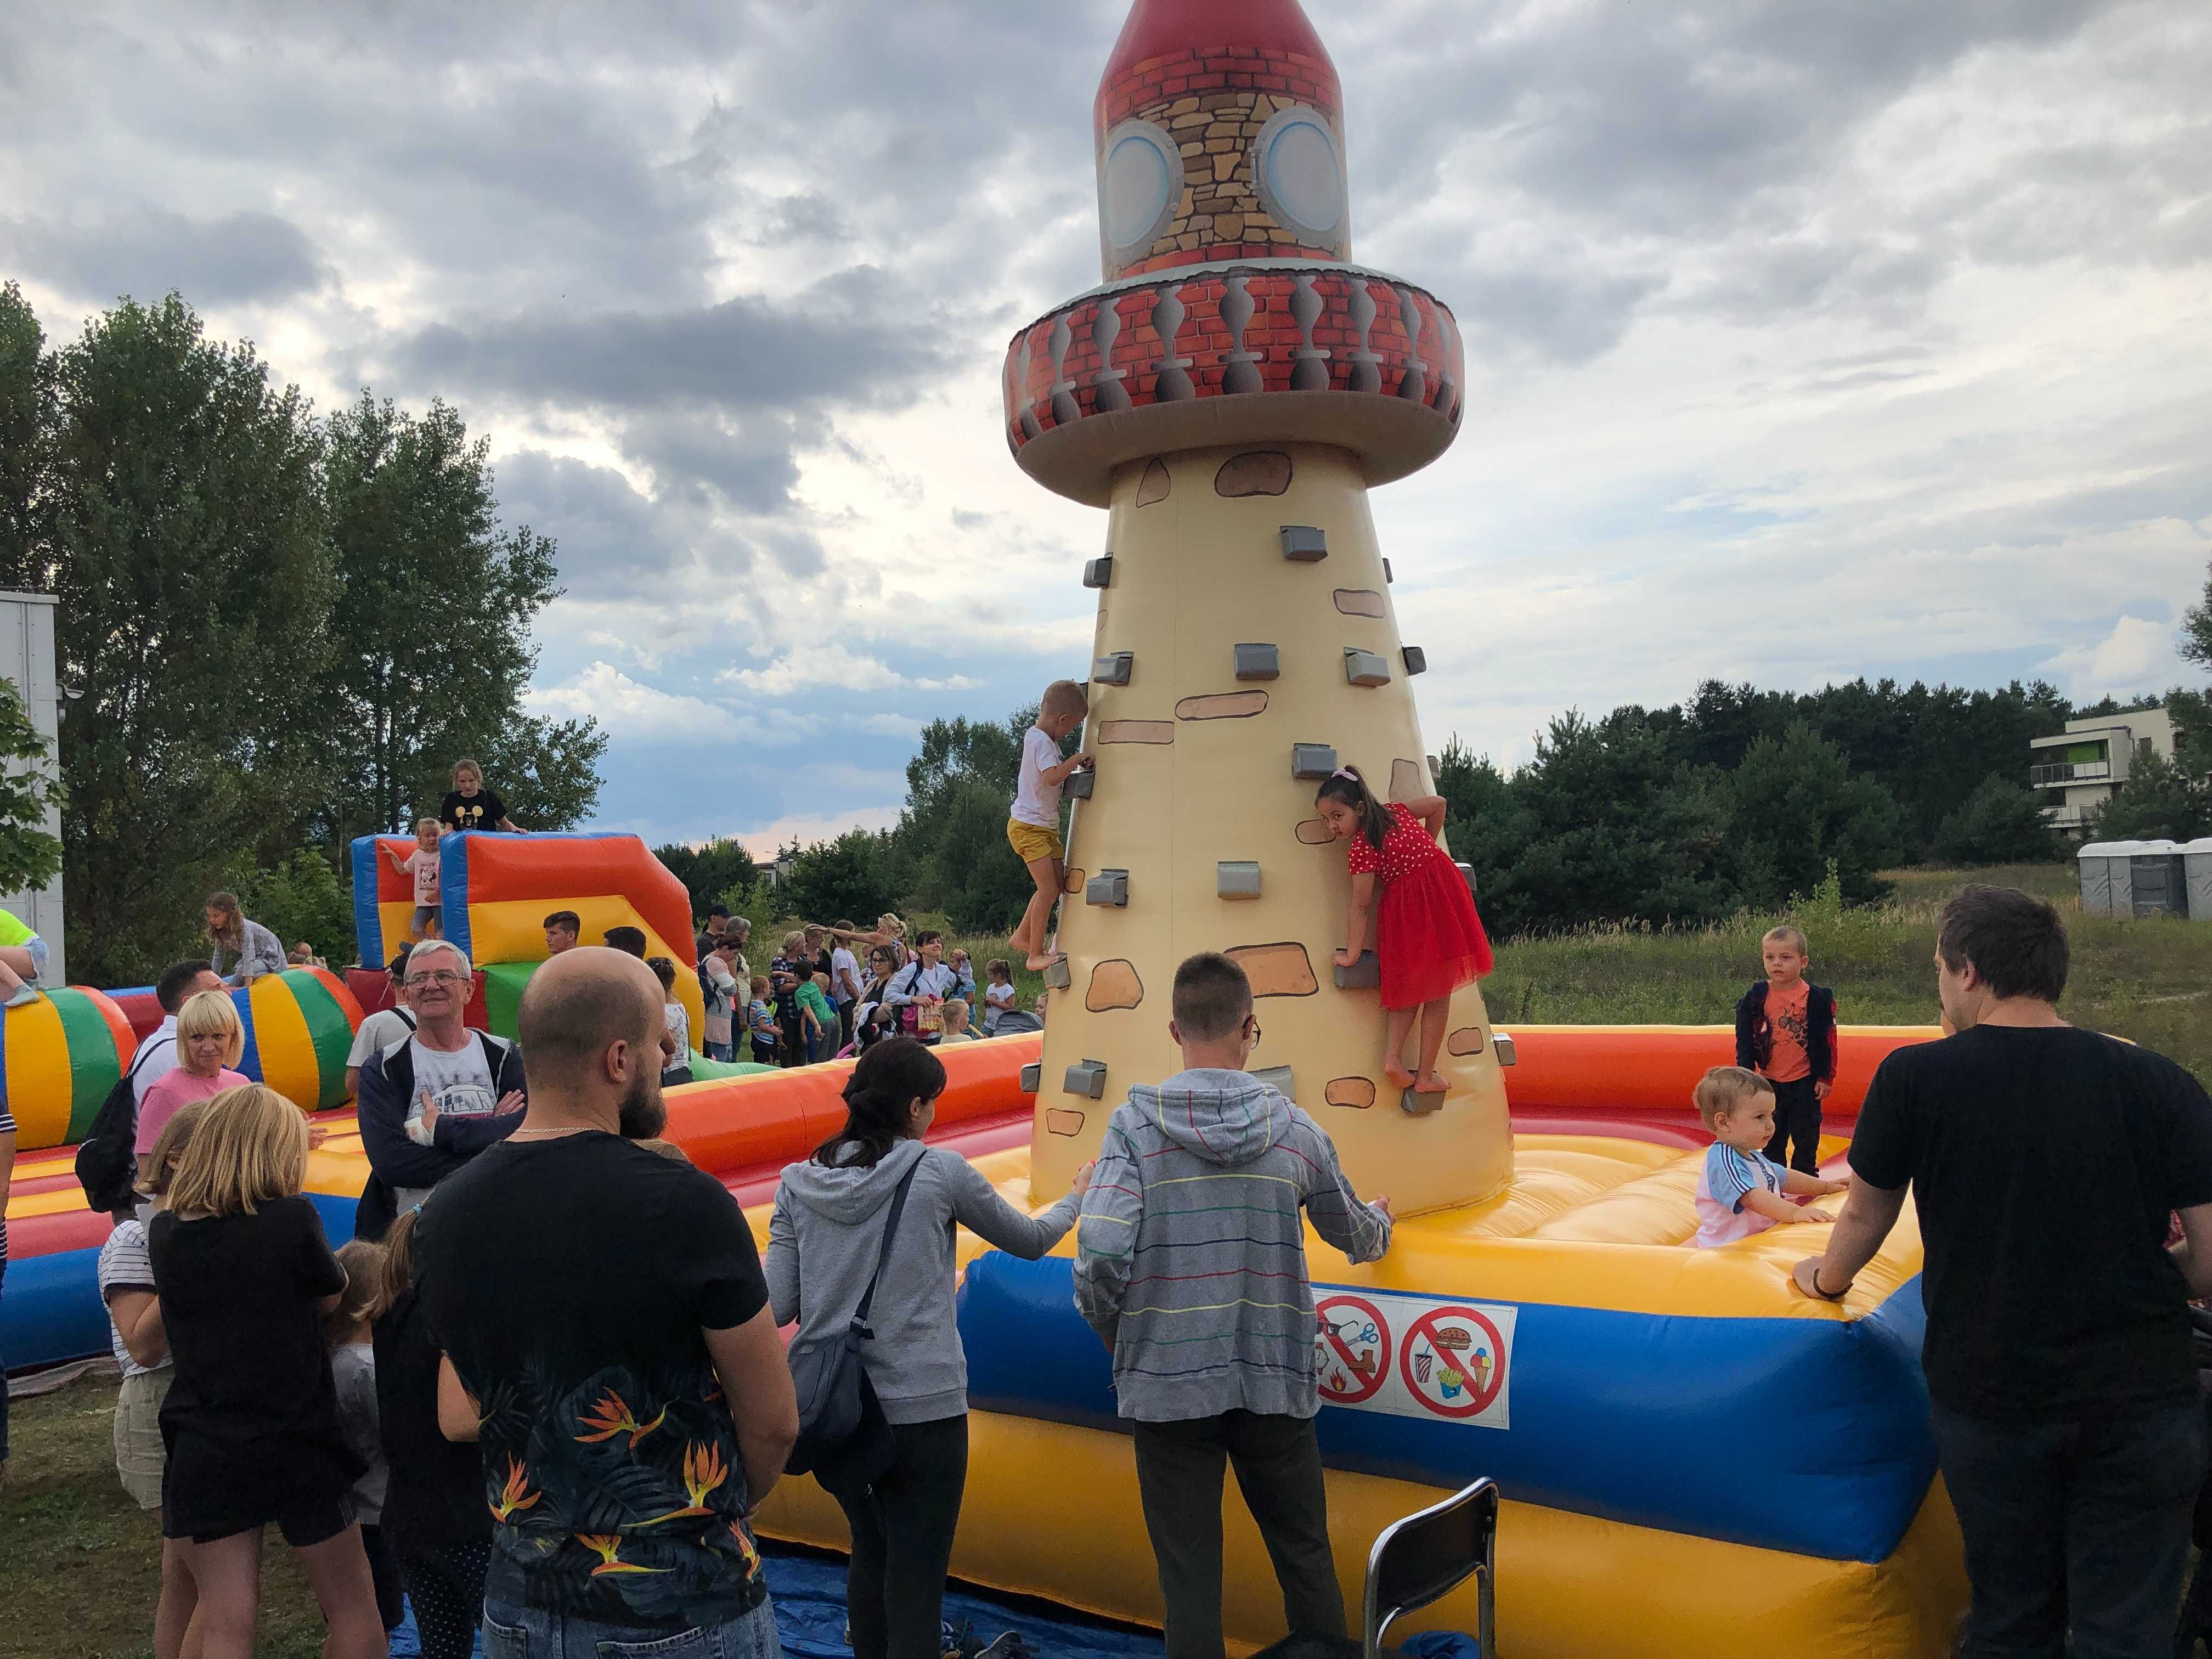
x=2148, y=981
x=81, y=1563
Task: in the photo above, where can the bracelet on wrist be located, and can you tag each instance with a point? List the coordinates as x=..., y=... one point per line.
x=1829, y=1295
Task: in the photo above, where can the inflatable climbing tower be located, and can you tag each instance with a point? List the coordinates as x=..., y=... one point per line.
x=1230, y=393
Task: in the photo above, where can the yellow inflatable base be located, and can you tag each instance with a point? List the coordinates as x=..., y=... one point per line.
x=1053, y=1510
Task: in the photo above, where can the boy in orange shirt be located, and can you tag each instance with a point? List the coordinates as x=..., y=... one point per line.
x=1785, y=1030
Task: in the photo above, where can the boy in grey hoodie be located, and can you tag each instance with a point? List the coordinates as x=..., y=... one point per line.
x=1190, y=1265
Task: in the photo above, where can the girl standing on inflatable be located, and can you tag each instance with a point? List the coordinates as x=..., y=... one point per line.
x=1428, y=940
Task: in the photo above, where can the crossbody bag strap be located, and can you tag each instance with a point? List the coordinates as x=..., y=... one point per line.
x=891, y=1231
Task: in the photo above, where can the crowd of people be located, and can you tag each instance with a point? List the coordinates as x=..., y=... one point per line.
x=560, y=1435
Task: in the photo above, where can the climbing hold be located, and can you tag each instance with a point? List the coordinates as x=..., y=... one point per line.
x=1312, y=760
x=1415, y=659
x=1086, y=1078
x=1258, y=662
x=1236, y=878
x=1099, y=572
x=1114, y=668
x=1107, y=887
x=1304, y=544
x=1365, y=975
x=1360, y=667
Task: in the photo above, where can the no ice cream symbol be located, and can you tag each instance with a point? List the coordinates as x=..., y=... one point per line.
x=1454, y=1361
x=1352, y=1349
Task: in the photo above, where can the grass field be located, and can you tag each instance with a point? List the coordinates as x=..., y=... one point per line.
x=2148, y=981
x=80, y=1564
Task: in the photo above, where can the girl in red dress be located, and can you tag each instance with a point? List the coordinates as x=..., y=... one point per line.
x=1428, y=940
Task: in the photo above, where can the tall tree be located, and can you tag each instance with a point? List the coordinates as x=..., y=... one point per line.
x=950, y=849
x=1796, y=809
x=188, y=551
x=432, y=629
x=29, y=853
x=27, y=412
x=710, y=871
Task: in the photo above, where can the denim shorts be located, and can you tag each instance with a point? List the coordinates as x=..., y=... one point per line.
x=37, y=947
x=512, y=1632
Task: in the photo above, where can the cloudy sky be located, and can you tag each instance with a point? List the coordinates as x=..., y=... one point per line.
x=1804, y=342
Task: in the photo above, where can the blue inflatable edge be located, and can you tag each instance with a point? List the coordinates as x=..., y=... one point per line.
x=49, y=1305
x=1806, y=1435
x=453, y=889
x=367, y=920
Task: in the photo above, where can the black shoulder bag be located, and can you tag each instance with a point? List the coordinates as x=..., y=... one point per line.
x=842, y=1436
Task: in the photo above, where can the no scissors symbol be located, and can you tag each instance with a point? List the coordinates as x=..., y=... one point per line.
x=1454, y=1362
x=1352, y=1349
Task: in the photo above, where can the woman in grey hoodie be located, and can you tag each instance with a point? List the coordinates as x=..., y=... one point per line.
x=824, y=1243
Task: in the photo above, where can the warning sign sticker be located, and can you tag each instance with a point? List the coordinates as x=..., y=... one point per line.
x=1352, y=1349
x=1449, y=1362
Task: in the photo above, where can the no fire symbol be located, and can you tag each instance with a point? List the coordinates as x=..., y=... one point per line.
x=1352, y=1349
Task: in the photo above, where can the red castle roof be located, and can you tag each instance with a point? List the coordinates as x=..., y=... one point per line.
x=1165, y=28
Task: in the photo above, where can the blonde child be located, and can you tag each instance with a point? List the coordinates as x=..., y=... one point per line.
x=1739, y=1188
x=1785, y=1030
x=422, y=865
x=998, y=993
x=1428, y=940
x=1033, y=825
x=349, y=1328
x=141, y=1349
x=251, y=1420
x=210, y=1040
x=760, y=1022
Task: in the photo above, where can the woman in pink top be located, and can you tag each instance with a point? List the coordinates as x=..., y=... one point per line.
x=210, y=1040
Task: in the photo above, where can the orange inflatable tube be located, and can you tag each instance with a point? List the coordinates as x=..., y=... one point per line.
x=1634, y=1070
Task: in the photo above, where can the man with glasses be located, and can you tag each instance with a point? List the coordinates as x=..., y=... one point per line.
x=1212, y=1325
x=430, y=1103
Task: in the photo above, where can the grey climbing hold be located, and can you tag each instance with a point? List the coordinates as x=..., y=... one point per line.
x=1312, y=760
x=1032, y=1075
x=1365, y=975
x=1304, y=543
x=1113, y=669
x=1504, y=1044
x=1099, y=572
x=1364, y=667
x=1278, y=1078
x=1467, y=875
x=1415, y=659
x=1107, y=887
x=1056, y=976
x=1076, y=786
x=1258, y=662
x=1236, y=878
x=1415, y=1103
x=1387, y=577
x=1086, y=1078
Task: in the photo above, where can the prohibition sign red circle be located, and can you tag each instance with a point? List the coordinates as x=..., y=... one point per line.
x=1368, y=1386
x=1477, y=1400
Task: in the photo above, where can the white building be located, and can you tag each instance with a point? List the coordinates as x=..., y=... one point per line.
x=27, y=658
x=2081, y=766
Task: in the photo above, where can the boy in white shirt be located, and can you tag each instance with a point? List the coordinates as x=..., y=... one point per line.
x=1033, y=826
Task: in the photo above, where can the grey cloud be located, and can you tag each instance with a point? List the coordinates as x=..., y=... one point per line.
x=845, y=340
x=147, y=252
x=613, y=542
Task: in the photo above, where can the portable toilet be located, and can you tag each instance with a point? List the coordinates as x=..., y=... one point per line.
x=2106, y=889
x=2196, y=876
x=2155, y=880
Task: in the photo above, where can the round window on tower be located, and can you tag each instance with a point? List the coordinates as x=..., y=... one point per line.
x=1300, y=173
x=1140, y=182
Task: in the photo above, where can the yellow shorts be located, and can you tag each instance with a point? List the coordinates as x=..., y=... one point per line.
x=1032, y=842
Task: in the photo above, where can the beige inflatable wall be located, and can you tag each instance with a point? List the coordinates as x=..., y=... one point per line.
x=1195, y=776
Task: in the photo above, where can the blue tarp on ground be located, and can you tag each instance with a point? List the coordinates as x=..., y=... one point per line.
x=809, y=1592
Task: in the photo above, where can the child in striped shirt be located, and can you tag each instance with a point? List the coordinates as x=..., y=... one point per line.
x=1740, y=1190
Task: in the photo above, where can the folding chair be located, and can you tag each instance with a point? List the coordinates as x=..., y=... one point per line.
x=1424, y=1557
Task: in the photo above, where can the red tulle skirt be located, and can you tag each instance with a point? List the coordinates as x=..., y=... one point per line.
x=1428, y=938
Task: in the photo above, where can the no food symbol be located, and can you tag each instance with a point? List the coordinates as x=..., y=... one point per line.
x=1352, y=1349
x=1454, y=1361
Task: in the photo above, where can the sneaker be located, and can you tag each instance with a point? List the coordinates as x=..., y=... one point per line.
x=25, y=995
x=1012, y=1645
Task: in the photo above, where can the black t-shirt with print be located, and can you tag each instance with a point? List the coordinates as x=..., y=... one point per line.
x=2044, y=1165
x=482, y=811
x=569, y=1280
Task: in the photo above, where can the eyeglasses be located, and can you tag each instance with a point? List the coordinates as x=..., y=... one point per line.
x=1253, y=1021
x=437, y=976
